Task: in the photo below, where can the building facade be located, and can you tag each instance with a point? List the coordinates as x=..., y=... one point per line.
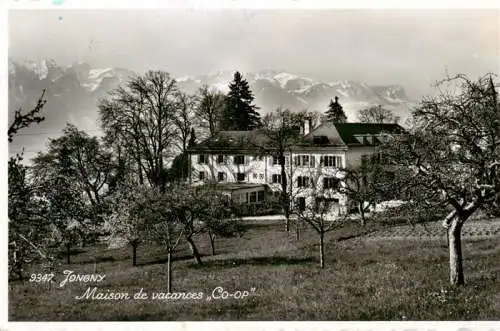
x=313, y=164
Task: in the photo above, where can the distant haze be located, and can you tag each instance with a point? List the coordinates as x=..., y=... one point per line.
x=408, y=47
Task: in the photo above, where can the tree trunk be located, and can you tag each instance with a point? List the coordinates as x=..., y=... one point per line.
x=297, y=229
x=211, y=235
x=362, y=214
x=284, y=195
x=139, y=170
x=321, y=250
x=287, y=222
x=455, y=247
x=169, y=272
x=194, y=251
x=134, y=254
x=68, y=253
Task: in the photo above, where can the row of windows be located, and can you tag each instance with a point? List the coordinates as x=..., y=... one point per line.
x=225, y=159
x=328, y=182
x=302, y=181
x=249, y=197
x=298, y=160
x=222, y=176
x=320, y=204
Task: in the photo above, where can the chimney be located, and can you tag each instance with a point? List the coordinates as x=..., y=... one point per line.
x=307, y=126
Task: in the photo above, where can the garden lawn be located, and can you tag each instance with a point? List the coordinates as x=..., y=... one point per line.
x=362, y=280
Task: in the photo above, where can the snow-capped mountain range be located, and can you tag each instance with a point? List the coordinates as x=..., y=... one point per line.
x=274, y=88
x=72, y=91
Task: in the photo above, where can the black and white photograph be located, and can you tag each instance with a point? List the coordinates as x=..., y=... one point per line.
x=190, y=164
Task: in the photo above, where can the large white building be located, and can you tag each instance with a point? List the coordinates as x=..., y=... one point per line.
x=237, y=160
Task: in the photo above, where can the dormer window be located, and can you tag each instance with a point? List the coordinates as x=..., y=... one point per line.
x=320, y=140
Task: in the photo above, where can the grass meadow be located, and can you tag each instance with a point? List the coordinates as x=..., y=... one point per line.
x=364, y=279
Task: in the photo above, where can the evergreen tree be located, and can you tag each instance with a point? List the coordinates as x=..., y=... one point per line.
x=239, y=112
x=335, y=112
x=192, y=138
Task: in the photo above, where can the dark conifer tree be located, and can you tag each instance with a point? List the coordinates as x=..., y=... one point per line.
x=335, y=112
x=192, y=138
x=239, y=112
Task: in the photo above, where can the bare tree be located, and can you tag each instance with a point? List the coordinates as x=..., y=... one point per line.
x=86, y=162
x=141, y=114
x=130, y=217
x=162, y=224
x=185, y=119
x=377, y=114
x=28, y=233
x=210, y=107
x=450, y=159
x=281, y=128
x=367, y=184
x=22, y=121
x=189, y=206
x=317, y=205
x=218, y=219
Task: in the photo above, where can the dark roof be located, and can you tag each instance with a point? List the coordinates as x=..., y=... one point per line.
x=326, y=134
x=349, y=131
x=232, y=141
x=349, y=134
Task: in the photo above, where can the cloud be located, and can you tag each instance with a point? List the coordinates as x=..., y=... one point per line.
x=410, y=47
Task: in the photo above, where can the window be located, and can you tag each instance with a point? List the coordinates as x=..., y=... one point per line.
x=240, y=177
x=390, y=175
x=253, y=196
x=260, y=196
x=276, y=178
x=303, y=181
x=261, y=176
x=201, y=175
x=320, y=140
x=202, y=159
x=254, y=176
x=221, y=176
x=331, y=161
x=324, y=205
x=301, y=203
x=304, y=161
x=378, y=158
x=240, y=198
x=221, y=159
x=276, y=160
x=239, y=159
x=331, y=182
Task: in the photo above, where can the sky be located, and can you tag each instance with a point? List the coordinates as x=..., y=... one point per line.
x=411, y=47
